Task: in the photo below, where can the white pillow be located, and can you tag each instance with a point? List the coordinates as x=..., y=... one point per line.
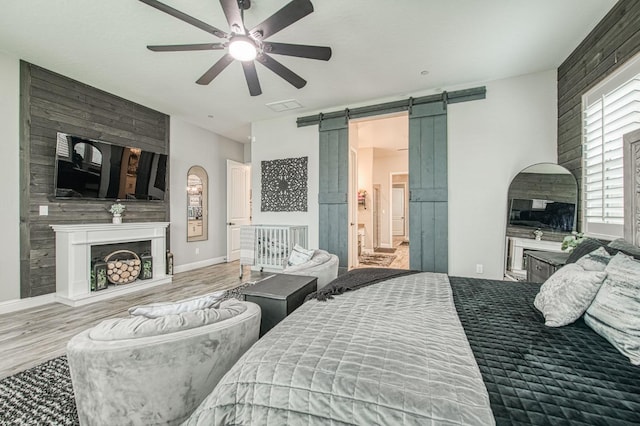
x=567, y=294
x=299, y=255
x=157, y=310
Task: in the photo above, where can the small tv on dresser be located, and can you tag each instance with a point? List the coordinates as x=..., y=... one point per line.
x=95, y=169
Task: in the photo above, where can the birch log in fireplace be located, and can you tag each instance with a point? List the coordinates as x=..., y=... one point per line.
x=73, y=258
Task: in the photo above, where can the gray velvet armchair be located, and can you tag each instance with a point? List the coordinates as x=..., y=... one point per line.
x=163, y=370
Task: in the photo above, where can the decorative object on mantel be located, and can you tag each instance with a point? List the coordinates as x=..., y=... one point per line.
x=571, y=241
x=362, y=198
x=284, y=185
x=116, y=210
x=538, y=234
x=122, y=270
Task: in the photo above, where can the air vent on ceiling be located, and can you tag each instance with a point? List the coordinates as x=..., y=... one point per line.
x=287, y=105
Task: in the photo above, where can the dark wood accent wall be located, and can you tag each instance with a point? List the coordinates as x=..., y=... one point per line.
x=51, y=103
x=612, y=42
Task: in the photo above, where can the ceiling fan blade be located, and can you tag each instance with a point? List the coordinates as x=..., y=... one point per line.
x=216, y=69
x=186, y=18
x=292, y=12
x=186, y=47
x=284, y=72
x=251, y=76
x=233, y=15
x=299, y=50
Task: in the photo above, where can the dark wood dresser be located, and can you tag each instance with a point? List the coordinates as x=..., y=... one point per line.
x=542, y=264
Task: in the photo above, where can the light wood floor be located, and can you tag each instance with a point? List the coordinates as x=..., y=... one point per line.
x=32, y=336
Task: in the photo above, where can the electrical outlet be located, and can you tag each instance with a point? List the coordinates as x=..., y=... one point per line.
x=44, y=210
x=479, y=268
x=197, y=250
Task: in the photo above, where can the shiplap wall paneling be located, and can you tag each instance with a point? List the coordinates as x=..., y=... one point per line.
x=611, y=43
x=52, y=103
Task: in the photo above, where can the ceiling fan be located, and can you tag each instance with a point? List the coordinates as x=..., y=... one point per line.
x=248, y=45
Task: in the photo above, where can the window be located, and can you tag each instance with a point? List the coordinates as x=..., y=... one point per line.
x=610, y=110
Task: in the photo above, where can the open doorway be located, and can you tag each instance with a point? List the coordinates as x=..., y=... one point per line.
x=381, y=144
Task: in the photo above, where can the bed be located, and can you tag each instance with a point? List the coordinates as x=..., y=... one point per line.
x=424, y=348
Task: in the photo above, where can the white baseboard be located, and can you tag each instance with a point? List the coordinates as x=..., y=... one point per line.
x=201, y=264
x=29, y=302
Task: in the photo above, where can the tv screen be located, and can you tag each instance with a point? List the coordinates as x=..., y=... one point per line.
x=543, y=214
x=92, y=169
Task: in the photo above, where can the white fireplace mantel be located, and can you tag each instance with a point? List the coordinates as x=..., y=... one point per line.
x=73, y=258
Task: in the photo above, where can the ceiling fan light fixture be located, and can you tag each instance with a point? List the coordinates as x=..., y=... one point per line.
x=242, y=48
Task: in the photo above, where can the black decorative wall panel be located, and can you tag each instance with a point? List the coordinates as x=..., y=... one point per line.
x=284, y=185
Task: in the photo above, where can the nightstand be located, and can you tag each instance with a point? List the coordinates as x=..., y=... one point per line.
x=542, y=264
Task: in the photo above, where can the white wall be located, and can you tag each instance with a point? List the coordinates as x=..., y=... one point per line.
x=194, y=146
x=490, y=141
x=9, y=176
x=277, y=139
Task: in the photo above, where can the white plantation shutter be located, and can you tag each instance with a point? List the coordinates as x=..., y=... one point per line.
x=609, y=113
x=62, y=145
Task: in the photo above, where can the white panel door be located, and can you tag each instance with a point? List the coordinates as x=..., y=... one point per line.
x=238, y=205
x=397, y=211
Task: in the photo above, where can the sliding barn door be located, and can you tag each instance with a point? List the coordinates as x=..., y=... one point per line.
x=334, y=181
x=428, y=198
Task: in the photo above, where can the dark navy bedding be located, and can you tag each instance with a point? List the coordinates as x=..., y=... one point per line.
x=540, y=375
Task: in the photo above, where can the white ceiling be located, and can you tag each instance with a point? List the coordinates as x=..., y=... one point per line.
x=379, y=48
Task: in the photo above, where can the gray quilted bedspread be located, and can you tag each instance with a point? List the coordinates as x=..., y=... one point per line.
x=393, y=353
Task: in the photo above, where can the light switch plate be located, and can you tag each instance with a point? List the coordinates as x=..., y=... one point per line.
x=44, y=210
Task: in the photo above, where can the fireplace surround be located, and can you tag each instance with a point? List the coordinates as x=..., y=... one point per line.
x=73, y=258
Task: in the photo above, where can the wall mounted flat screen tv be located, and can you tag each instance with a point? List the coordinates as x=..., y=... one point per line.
x=544, y=214
x=92, y=169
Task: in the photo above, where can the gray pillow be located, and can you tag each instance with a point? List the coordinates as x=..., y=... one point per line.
x=615, y=312
x=595, y=261
x=567, y=293
x=585, y=247
x=622, y=245
x=158, y=310
x=136, y=327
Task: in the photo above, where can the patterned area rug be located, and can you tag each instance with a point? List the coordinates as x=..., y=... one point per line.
x=376, y=259
x=42, y=395
x=384, y=250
